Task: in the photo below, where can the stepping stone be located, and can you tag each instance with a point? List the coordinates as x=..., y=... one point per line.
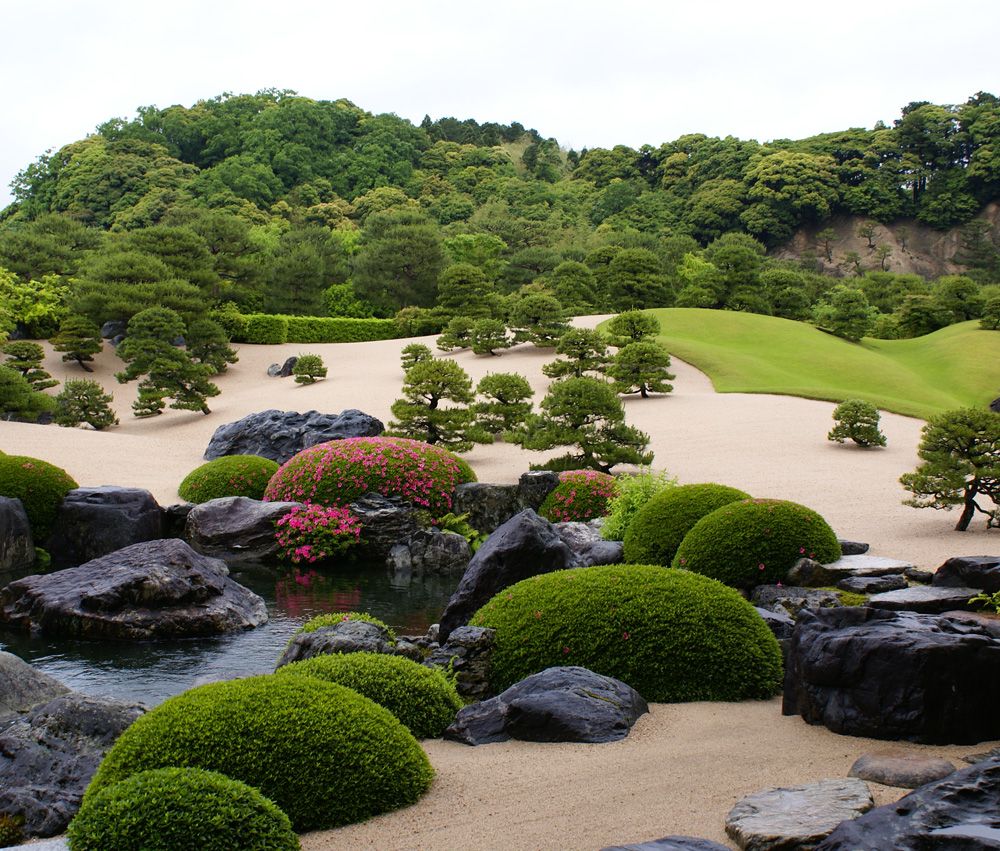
x=930, y=600
x=903, y=770
x=981, y=572
x=873, y=584
x=796, y=816
x=671, y=843
x=865, y=565
x=918, y=574
x=852, y=548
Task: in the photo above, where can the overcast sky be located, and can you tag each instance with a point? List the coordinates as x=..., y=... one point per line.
x=589, y=73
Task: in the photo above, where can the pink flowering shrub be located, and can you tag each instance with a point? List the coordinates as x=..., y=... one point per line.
x=313, y=533
x=337, y=473
x=580, y=495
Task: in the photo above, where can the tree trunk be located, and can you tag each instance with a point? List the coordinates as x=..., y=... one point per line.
x=969, y=509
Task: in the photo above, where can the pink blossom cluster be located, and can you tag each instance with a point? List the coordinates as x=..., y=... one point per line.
x=313, y=533
x=580, y=495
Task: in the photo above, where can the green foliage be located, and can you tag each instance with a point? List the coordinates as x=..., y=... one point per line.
x=333, y=757
x=538, y=319
x=634, y=491
x=26, y=358
x=990, y=320
x=39, y=485
x=846, y=313
x=756, y=542
x=585, y=351
x=308, y=369
x=232, y=475
x=424, y=700
x=177, y=808
x=208, y=343
x=659, y=526
x=417, y=322
x=488, y=335
x=673, y=636
x=38, y=305
x=988, y=600
x=857, y=420
x=266, y=329
x=338, y=329
x=19, y=400
x=457, y=334
x=419, y=414
x=333, y=618
x=641, y=367
x=84, y=401
x=413, y=354
x=459, y=525
x=580, y=495
x=632, y=326
x=463, y=290
x=79, y=339
x=340, y=301
x=505, y=402
x=11, y=829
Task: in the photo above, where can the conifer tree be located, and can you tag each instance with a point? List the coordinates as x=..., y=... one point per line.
x=26, y=358
x=79, y=339
x=84, y=401
x=18, y=400
x=504, y=404
x=208, y=343
x=488, y=335
x=585, y=351
x=420, y=415
x=642, y=368
x=632, y=326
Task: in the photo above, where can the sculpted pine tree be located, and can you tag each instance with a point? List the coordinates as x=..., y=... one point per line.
x=504, y=404
x=457, y=334
x=642, y=368
x=857, y=420
x=79, y=339
x=18, y=400
x=84, y=401
x=413, y=353
x=584, y=350
x=538, y=319
x=26, y=358
x=420, y=415
x=208, y=343
x=632, y=326
x=488, y=335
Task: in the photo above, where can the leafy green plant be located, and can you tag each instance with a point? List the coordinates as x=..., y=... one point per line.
x=856, y=420
x=580, y=495
x=459, y=524
x=313, y=533
x=39, y=485
x=231, y=475
x=414, y=353
x=11, y=830
x=308, y=369
x=634, y=491
x=988, y=600
x=333, y=618
x=84, y=401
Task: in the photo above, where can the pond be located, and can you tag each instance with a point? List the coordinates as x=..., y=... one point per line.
x=151, y=671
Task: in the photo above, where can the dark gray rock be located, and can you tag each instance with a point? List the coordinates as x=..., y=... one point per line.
x=866, y=565
x=281, y=434
x=808, y=573
x=534, y=486
x=589, y=548
x=918, y=574
x=156, y=589
x=852, y=548
x=429, y=552
x=957, y=813
x=981, y=572
x=995, y=405
x=282, y=370
x=791, y=600
x=93, y=522
x=524, y=546
x=236, y=529
x=175, y=518
x=669, y=843
x=873, y=584
x=385, y=522
x=796, y=817
x=894, y=675
x=17, y=547
x=488, y=506
x=113, y=328
x=902, y=770
x=778, y=621
x=348, y=636
x=466, y=654
x=932, y=599
x=22, y=686
x=48, y=756
x=116, y=340
x=973, y=758
x=569, y=704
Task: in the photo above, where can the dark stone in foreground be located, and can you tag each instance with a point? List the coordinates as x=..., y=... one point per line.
x=895, y=675
x=903, y=770
x=779, y=622
x=17, y=547
x=236, y=529
x=852, y=548
x=466, y=654
x=872, y=584
x=982, y=572
x=345, y=637
x=487, y=505
x=932, y=600
x=156, y=589
x=21, y=686
x=957, y=813
x=385, y=522
x=671, y=843
x=569, y=704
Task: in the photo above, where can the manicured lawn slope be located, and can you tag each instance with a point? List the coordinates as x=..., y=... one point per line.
x=955, y=367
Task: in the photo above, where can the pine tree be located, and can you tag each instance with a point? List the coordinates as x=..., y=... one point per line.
x=632, y=326
x=505, y=402
x=208, y=343
x=419, y=414
x=488, y=335
x=26, y=358
x=308, y=369
x=641, y=367
x=84, y=401
x=79, y=339
x=585, y=351
x=18, y=400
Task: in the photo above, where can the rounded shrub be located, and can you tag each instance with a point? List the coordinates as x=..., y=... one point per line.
x=39, y=485
x=424, y=699
x=634, y=491
x=657, y=529
x=333, y=618
x=232, y=475
x=339, y=472
x=580, y=495
x=323, y=753
x=181, y=808
x=672, y=635
x=756, y=542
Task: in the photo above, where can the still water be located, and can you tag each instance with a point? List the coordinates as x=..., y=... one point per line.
x=151, y=671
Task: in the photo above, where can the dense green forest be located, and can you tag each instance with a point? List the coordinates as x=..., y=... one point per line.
x=283, y=204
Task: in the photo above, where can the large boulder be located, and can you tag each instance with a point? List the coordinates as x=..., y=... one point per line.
x=534, y=486
x=487, y=506
x=17, y=547
x=93, y=522
x=385, y=522
x=567, y=704
x=156, y=589
x=958, y=813
x=465, y=656
x=21, y=686
x=895, y=675
x=348, y=636
x=279, y=435
x=981, y=572
x=429, y=552
x=236, y=529
x=524, y=546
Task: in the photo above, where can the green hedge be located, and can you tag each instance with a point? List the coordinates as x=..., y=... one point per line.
x=273, y=328
x=265, y=329
x=232, y=475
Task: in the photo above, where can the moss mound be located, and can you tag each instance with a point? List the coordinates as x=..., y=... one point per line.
x=39, y=485
x=233, y=475
x=660, y=525
x=423, y=699
x=333, y=618
x=672, y=635
x=323, y=753
x=755, y=542
x=580, y=495
x=175, y=809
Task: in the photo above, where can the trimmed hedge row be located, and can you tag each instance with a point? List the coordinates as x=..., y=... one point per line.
x=274, y=329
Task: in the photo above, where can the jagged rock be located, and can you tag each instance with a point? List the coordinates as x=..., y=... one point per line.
x=113, y=328
x=48, y=756
x=808, y=573
x=17, y=547
x=282, y=370
x=236, y=529
x=669, y=843
x=589, y=548
x=524, y=546
x=791, y=600
x=973, y=758
x=22, y=686
x=956, y=813
x=902, y=770
x=796, y=816
x=982, y=572
x=466, y=654
x=534, y=486
x=852, y=548
x=175, y=518
x=894, y=675
x=488, y=506
x=866, y=565
x=155, y=589
x=429, y=552
x=985, y=620
x=932, y=599
x=279, y=435
x=918, y=574
x=873, y=584
x=348, y=636
x=92, y=522
x=778, y=621
x=385, y=522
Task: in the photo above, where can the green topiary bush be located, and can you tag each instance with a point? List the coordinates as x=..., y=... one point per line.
x=39, y=485
x=425, y=700
x=756, y=541
x=580, y=495
x=634, y=491
x=672, y=635
x=265, y=329
x=172, y=809
x=323, y=753
x=333, y=618
x=339, y=472
x=660, y=525
x=233, y=475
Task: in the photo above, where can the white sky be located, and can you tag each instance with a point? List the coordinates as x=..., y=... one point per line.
x=589, y=73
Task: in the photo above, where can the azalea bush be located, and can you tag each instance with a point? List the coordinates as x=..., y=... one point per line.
x=580, y=495
x=312, y=533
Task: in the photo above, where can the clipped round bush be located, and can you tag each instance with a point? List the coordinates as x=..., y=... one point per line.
x=339, y=472
x=672, y=635
x=39, y=485
x=181, y=808
x=660, y=525
x=425, y=700
x=580, y=495
x=756, y=542
x=232, y=475
x=323, y=753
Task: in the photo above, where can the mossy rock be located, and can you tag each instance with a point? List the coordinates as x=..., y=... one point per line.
x=232, y=475
x=176, y=809
x=39, y=485
x=672, y=635
x=323, y=753
x=756, y=542
x=333, y=618
x=660, y=525
x=425, y=700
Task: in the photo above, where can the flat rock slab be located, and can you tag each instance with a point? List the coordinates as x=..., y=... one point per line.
x=902, y=770
x=981, y=572
x=929, y=600
x=866, y=565
x=873, y=584
x=237, y=529
x=796, y=816
x=670, y=843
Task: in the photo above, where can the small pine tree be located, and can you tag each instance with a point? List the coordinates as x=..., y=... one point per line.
x=412, y=354
x=26, y=357
x=990, y=320
x=856, y=420
x=585, y=351
x=419, y=414
x=19, y=400
x=84, y=401
x=538, y=319
x=208, y=343
x=488, y=335
x=457, y=334
x=505, y=402
x=632, y=326
x=641, y=367
x=308, y=369
x=79, y=339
